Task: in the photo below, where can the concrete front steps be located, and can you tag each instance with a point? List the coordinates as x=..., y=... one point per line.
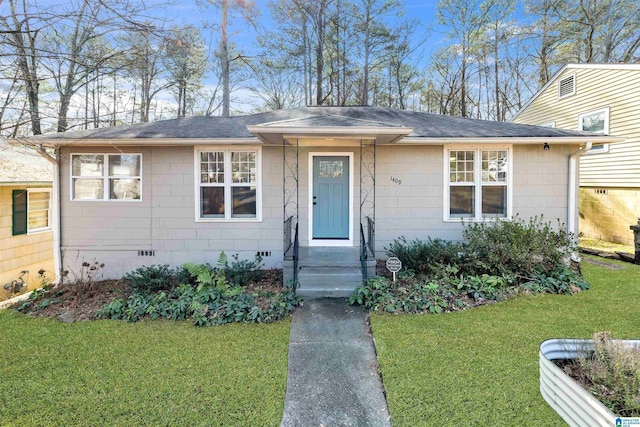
x=328, y=272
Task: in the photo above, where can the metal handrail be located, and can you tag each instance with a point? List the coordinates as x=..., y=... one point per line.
x=363, y=254
x=371, y=236
x=288, y=225
x=296, y=245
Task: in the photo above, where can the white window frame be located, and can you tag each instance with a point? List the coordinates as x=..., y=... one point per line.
x=105, y=178
x=575, y=84
x=478, y=184
x=228, y=182
x=604, y=110
x=41, y=229
x=602, y=148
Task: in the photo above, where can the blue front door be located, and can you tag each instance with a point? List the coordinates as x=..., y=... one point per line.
x=331, y=197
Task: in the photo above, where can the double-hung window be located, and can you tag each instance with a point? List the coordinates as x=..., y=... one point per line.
x=106, y=176
x=477, y=183
x=228, y=184
x=31, y=211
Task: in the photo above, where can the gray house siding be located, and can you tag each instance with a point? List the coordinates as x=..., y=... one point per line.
x=113, y=232
x=409, y=202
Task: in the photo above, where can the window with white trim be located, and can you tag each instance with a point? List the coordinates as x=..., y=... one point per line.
x=31, y=211
x=477, y=183
x=106, y=176
x=228, y=184
x=595, y=121
x=38, y=210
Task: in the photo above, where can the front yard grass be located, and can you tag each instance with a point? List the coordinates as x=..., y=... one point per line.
x=480, y=366
x=110, y=373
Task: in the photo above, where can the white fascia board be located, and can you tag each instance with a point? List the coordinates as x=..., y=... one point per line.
x=44, y=184
x=155, y=142
x=559, y=140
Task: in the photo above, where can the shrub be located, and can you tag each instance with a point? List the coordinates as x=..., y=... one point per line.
x=423, y=256
x=155, y=278
x=213, y=300
x=241, y=272
x=496, y=260
x=516, y=246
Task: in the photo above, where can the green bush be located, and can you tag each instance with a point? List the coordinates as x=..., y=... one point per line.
x=155, y=278
x=241, y=272
x=516, y=246
x=424, y=256
x=497, y=259
x=212, y=301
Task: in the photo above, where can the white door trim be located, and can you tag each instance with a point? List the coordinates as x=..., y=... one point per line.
x=328, y=242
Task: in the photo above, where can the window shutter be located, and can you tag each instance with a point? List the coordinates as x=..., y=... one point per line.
x=19, y=212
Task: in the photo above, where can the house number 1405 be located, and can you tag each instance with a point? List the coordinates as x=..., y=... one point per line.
x=396, y=180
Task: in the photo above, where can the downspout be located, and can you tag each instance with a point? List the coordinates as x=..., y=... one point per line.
x=574, y=186
x=55, y=220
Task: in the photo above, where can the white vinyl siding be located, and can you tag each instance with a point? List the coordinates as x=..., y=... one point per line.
x=567, y=86
x=617, y=89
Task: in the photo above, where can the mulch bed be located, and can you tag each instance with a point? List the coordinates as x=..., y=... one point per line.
x=72, y=302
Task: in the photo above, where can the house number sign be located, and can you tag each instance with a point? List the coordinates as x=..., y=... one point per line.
x=394, y=265
x=396, y=181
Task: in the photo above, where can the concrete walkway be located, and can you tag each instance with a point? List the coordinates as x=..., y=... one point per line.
x=333, y=378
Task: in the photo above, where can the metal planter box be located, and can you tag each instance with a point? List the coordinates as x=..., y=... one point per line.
x=573, y=403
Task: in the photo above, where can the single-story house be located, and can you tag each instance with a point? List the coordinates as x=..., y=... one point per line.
x=26, y=237
x=319, y=191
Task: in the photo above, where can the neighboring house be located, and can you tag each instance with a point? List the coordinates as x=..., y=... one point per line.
x=603, y=98
x=345, y=181
x=26, y=243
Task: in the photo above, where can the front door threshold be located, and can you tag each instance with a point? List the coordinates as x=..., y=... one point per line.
x=331, y=242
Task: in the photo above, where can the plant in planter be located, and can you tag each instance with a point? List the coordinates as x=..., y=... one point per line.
x=607, y=368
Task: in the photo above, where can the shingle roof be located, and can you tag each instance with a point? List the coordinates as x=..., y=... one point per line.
x=21, y=164
x=423, y=125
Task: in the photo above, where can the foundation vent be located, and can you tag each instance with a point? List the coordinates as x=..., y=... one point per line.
x=263, y=253
x=600, y=191
x=146, y=253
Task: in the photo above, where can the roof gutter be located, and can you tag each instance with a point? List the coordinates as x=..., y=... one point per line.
x=55, y=220
x=574, y=188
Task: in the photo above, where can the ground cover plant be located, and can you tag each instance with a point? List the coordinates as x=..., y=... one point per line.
x=495, y=261
x=239, y=291
x=480, y=366
x=159, y=373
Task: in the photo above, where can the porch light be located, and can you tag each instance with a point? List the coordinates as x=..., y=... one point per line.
x=546, y=146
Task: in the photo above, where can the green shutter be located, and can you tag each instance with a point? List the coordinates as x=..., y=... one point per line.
x=19, y=212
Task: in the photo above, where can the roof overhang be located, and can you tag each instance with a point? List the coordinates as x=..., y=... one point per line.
x=148, y=142
x=551, y=140
x=25, y=183
x=278, y=134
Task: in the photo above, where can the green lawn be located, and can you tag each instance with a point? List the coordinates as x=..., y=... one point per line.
x=480, y=367
x=149, y=373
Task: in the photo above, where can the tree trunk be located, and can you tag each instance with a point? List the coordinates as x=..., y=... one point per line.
x=224, y=52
